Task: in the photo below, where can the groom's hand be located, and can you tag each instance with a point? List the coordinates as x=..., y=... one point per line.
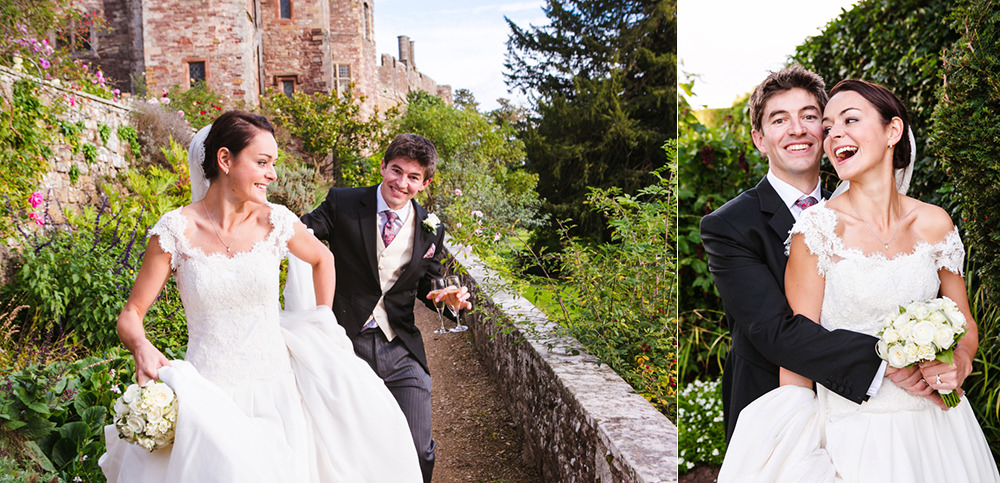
x=910, y=379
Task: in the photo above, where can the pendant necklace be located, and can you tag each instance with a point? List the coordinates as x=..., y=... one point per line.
x=216, y=230
x=885, y=244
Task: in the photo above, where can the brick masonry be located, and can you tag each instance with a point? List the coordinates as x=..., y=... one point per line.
x=247, y=48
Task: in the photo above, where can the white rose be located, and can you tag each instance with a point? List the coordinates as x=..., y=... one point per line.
x=954, y=315
x=937, y=318
x=154, y=415
x=121, y=408
x=147, y=443
x=923, y=332
x=164, y=440
x=125, y=431
x=882, y=349
x=897, y=357
x=943, y=337
x=926, y=352
x=911, y=351
x=131, y=393
x=135, y=423
x=158, y=394
x=890, y=335
x=918, y=311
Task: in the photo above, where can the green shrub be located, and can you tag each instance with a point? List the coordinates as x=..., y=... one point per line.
x=897, y=44
x=295, y=187
x=81, y=280
x=701, y=437
x=24, y=150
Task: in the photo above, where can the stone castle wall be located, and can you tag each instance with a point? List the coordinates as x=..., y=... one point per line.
x=248, y=48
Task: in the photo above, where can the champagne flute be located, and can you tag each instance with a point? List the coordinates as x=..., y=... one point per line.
x=454, y=305
x=437, y=285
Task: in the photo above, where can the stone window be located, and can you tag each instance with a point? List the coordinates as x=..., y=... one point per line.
x=286, y=84
x=196, y=72
x=343, y=80
x=368, y=22
x=285, y=8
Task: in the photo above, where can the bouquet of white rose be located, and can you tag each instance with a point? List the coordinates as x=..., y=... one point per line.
x=922, y=331
x=147, y=415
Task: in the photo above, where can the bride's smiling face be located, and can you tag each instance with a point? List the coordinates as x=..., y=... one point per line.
x=252, y=169
x=856, y=138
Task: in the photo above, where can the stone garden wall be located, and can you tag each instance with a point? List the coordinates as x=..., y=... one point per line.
x=72, y=180
x=581, y=421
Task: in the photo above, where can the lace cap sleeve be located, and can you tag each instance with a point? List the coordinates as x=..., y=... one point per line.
x=818, y=226
x=170, y=229
x=283, y=221
x=950, y=253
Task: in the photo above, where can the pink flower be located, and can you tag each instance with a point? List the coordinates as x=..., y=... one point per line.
x=72, y=100
x=44, y=63
x=458, y=192
x=38, y=219
x=116, y=92
x=496, y=237
x=180, y=113
x=164, y=100
x=36, y=199
x=477, y=213
x=83, y=66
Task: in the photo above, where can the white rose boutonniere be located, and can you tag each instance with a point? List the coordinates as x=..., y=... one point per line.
x=431, y=223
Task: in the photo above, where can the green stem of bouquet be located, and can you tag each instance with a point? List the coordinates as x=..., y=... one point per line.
x=951, y=399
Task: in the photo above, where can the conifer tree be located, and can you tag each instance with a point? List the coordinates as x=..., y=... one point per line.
x=601, y=77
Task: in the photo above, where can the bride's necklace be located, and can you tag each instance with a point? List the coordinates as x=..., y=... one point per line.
x=216, y=230
x=885, y=244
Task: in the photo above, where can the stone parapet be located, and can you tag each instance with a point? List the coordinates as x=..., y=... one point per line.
x=581, y=421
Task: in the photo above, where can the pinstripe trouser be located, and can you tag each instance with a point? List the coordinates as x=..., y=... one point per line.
x=408, y=382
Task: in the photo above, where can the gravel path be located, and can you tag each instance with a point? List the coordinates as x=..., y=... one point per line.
x=476, y=437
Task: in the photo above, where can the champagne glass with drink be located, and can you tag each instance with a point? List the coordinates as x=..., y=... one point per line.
x=437, y=285
x=451, y=299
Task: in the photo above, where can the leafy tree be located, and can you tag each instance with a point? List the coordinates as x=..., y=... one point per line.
x=479, y=163
x=601, y=78
x=896, y=44
x=330, y=130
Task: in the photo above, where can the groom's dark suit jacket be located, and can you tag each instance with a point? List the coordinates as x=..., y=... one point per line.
x=348, y=222
x=744, y=240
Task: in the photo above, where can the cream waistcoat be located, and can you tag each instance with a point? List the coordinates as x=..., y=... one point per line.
x=391, y=262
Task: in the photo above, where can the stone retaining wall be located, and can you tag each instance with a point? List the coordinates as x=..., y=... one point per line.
x=581, y=421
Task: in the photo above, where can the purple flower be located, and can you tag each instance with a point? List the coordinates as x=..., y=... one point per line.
x=44, y=63
x=36, y=199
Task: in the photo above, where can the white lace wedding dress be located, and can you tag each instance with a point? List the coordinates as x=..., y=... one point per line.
x=262, y=400
x=792, y=435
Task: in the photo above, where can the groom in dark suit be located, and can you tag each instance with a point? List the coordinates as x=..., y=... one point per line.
x=744, y=240
x=387, y=248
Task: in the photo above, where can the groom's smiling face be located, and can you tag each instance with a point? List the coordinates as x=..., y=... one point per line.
x=402, y=179
x=792, y=135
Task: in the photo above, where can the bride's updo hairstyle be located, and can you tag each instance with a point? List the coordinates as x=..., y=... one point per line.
x=232, y=130
x=888, y=107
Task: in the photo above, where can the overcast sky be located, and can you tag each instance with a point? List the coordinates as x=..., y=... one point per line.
x=456, y=42
x=732, y=44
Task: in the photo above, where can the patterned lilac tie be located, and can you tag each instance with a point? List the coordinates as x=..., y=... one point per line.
x=805, y=202
x=391, y=228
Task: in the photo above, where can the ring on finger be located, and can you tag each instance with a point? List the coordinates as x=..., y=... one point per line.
x=938, y=378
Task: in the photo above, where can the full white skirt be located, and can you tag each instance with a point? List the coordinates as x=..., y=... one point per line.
x=330, y=419
x=787, y=436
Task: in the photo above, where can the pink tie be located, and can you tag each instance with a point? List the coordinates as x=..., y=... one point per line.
x=805, y=202
x=391, y=228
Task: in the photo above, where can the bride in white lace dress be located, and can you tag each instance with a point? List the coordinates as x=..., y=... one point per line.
x=264, y=395
x=852, y=260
